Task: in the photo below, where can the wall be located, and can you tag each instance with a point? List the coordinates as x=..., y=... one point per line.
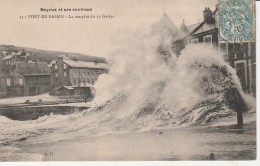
x=88, y=76
x=58, y=78
x=36, y=84
x=34, y=112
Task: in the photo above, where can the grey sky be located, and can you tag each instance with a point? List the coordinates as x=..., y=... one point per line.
x=84, y=35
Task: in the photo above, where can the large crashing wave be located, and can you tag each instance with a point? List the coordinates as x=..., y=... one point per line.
x=149, y=86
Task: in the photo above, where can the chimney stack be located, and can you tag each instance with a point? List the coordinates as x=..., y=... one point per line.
x=207, y=13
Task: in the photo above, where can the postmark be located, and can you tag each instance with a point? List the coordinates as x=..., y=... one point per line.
x=236, y=20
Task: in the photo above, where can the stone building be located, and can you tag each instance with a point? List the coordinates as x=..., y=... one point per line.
x=10, y=59
x=240, y=55
x=75, y=76
x=22, y=77
x=28, y=79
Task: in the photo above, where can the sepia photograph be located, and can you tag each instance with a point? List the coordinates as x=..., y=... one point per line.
x=118, y=80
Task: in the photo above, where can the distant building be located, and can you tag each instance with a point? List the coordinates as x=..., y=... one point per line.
x=28, y=78
x=75, y=77
x=240, y=55
x=10, y=59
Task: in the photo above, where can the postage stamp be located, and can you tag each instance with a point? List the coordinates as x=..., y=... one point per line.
x=236, y=20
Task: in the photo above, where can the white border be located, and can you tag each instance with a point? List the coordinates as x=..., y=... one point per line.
x=171, y=163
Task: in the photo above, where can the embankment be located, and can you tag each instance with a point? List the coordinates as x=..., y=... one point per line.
x=32, y=112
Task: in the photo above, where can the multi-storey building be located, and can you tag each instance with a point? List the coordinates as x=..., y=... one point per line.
x=24, y=78
x=240, y=55
x=73, y=74
x=28, y=78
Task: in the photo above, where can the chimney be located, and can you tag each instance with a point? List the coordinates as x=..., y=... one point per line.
x=217, y=6
x=207, y=13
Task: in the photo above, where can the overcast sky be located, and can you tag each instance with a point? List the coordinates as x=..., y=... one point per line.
x=88, y=36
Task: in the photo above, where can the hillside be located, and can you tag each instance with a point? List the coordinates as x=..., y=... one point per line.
x=47, y=56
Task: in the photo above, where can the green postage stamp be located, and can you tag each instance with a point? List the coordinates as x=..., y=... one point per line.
x=236, y=20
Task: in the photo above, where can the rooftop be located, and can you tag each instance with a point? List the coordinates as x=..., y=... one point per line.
x=204, y=26
x=10, y=55
x=39, y=68
x=73, y=87
x=82, y=64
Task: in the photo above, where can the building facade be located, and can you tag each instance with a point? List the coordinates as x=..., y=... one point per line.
x=27, y=78
x=76, y=76
x=240, y=55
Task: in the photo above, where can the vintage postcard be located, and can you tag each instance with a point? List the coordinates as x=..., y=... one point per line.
x=119, y=80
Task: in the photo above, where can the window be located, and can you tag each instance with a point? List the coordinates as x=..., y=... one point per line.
x=223, y=46
x=207, y=39
x=21, y=81
x=83, y=74
x=56, y=67
x=8, y=82
x=194, y=40
x=6, y=62
x=65, y=74
x=64, y=66
x=241, y=70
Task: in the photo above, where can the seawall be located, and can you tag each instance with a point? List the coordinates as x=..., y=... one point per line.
x=33, y=112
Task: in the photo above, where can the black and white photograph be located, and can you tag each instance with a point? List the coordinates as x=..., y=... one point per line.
x=118, y=80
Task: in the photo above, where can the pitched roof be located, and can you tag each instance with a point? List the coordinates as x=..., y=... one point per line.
x=14, y=55
x=8, y=57
x=82, y=64
x=190, y=28
x=75, y=86
x=167, y=28
x=66, y=87
x=203, y=27
x=39, y=68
